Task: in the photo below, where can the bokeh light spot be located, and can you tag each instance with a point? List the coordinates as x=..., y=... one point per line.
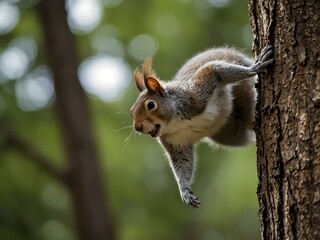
x=167, y=25
x=142, y=46
x=105, y=41
x=9, y=17
x=36, y=91
x=54, y=197
x=105, y=77
x=27, y=45
x=84, y=15
x=13, y=63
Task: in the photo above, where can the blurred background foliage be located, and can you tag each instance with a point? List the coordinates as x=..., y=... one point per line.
x=113, y=37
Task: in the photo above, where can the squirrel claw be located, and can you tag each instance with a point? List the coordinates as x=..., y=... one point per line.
x=262, y=61
x=188, y=197
x=195, y=204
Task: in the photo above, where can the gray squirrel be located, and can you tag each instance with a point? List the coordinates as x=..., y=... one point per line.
x=212, y=97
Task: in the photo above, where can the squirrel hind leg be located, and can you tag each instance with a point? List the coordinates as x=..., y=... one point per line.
x=238, y=138
x=238, y=131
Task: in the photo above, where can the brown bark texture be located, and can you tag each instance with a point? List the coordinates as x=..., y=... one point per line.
x=288, y=118
x=82, y=175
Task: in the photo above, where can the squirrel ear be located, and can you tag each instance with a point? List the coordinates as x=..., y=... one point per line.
x=139, y=80
x=154, y=86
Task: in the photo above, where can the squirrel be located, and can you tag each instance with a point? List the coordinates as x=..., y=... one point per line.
x=212, y=97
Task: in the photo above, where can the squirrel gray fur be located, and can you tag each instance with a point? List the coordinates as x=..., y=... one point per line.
x=212, y=96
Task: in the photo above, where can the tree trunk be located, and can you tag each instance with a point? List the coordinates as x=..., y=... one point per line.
x=288, y=118
x=83, y=177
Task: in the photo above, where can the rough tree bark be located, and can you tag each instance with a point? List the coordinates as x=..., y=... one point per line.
x=82, y=175
x=288, y=118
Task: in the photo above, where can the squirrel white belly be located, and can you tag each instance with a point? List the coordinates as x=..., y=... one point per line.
x=212, y=96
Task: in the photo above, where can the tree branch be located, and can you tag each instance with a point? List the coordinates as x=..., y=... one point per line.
x=13, y=140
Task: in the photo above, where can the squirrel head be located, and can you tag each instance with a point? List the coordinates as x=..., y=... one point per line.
x=154, y=108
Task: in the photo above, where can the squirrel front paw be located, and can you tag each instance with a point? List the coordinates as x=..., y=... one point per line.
x=262, y=61
x=190, y=199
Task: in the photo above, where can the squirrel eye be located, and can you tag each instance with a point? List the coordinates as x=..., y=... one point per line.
x=150, y=105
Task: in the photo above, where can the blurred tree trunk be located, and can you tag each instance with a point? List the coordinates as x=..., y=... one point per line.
x=82, y=175
x=288, y=118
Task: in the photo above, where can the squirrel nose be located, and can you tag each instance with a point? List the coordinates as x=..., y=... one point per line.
x=138, y=127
